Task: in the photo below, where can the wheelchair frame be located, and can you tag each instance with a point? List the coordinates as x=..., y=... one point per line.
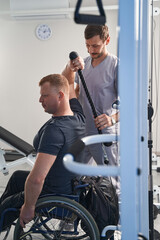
x=58, y=217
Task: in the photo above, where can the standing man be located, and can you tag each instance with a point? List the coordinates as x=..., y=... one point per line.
x=66, y=125
x=100, y=74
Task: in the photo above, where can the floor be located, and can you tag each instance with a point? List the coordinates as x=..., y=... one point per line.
x=4, y=180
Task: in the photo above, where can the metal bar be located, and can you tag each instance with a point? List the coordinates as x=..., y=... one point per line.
x=128, y=120
x=89, y=170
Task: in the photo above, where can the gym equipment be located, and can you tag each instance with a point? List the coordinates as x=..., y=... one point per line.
x=88, y=18
x=133, y=85
x=90, y=170
x=26, y=151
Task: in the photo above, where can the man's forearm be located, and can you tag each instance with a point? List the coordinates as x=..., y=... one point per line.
x=32, y=192
x=69, y=74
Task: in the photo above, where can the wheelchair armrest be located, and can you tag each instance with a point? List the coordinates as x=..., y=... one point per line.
x=81, y=186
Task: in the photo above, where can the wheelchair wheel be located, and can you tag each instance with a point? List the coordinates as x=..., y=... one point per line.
x=58, y=218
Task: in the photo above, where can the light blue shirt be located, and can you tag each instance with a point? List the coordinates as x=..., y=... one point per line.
x=101, y=82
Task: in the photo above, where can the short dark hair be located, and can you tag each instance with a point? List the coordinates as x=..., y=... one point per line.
x=93, y=30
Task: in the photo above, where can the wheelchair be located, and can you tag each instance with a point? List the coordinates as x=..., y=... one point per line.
x=57, y=217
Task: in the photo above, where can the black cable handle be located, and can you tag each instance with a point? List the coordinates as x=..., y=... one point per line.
x=89, y=18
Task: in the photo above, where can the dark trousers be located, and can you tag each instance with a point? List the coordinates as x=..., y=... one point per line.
x=13, y=196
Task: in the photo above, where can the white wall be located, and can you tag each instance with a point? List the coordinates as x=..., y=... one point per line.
x=156, y=85
x=24, y=60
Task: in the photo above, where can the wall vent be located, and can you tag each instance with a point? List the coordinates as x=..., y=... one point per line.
x=39, y=8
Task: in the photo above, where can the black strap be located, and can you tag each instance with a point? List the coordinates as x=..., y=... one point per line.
x=88, y=18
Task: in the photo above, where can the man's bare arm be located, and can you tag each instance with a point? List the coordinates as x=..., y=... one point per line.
x=69, y=73
x=34, y=185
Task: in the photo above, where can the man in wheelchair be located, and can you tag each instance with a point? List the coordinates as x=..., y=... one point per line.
x=48, y=175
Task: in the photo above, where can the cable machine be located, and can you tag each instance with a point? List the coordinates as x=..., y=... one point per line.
x=134, y=157
x=133, y=78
